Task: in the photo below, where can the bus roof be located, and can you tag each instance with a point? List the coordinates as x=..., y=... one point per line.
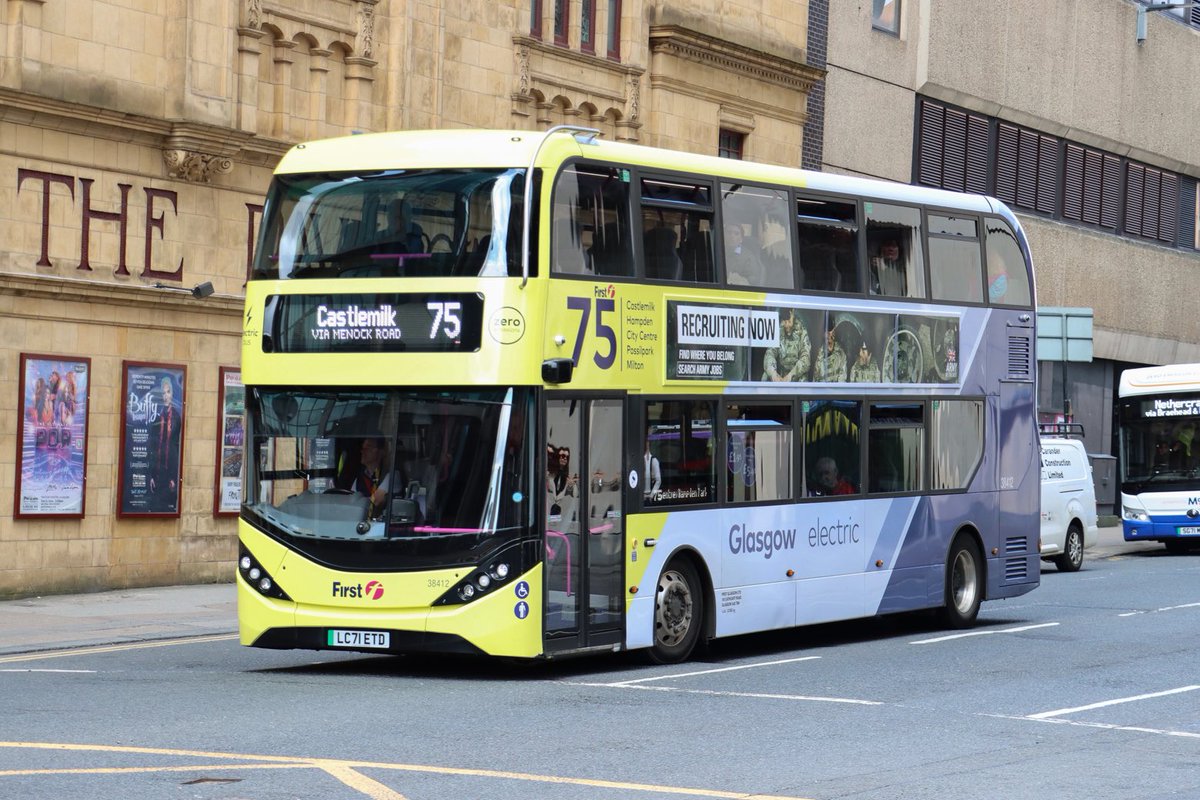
x=1155, y=380
x=496, y=149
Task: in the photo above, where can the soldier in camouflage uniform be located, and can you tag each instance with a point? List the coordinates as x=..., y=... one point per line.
x=831, y=363
x=865, y=370
x=789, y=360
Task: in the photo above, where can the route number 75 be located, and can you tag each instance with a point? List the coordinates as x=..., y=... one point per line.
x=604, y=331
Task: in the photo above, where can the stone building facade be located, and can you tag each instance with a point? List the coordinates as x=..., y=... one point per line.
x=137, y=138
x=1104, y=157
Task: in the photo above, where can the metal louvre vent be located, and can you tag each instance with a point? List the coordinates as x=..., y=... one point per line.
x=1016, y=544
x=1020, y=357
x=1016, y=569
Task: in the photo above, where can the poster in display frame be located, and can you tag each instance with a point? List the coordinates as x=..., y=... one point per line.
x=153, y=399
x=231, y=433
x=51, y=464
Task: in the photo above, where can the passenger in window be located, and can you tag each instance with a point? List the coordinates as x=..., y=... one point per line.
x=830, y=366
x=743, y=267
x=652, y=474
x=560, y=485
x=865, y=368
x=402, y=230
x=889, y=270
x=827, y=481
x=789, y=360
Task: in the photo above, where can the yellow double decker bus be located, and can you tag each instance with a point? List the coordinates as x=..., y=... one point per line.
x=533, y=394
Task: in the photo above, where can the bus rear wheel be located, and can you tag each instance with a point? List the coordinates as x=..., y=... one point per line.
x=678, y=612
x=964, y=584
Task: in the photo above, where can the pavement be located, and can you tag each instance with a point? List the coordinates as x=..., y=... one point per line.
x=118, y=617
x=172, y=612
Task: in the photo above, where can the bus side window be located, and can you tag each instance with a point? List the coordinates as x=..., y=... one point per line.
x=827, y=231
x=762, y=214
x=955, y=272
x=677, y=220
x=832, y=464
x=680, y=436
x=1007, y=278
x=896, y=265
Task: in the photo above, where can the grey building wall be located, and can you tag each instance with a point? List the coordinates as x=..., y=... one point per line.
x=1072, y=69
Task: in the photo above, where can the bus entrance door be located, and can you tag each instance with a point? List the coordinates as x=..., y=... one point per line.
x=584, y=523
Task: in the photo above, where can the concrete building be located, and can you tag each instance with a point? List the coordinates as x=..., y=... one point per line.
x=1059, y=110
x=137, y=138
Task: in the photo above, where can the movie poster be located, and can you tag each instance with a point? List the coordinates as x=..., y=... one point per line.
x=231, y=438
x=151, y=439
x=53, y=445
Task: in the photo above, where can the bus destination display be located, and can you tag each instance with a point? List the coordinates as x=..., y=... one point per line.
x=374, y=323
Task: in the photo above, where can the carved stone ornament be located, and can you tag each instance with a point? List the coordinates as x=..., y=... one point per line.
x=523, y=70
x=195, y=167
x=253, y=13
x=365, y=43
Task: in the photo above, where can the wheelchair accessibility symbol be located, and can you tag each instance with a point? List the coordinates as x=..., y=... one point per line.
x=521, y=590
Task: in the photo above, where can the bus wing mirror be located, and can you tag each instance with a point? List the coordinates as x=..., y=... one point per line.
x=557, y=370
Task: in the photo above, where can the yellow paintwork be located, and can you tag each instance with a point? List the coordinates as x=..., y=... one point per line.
x=489, y=622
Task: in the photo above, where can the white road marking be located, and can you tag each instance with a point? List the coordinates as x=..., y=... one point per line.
x=1106, y=703
x=89, y=671
x=1159, y=610
x=713, y=693
x=988, y=632
x=714, y=671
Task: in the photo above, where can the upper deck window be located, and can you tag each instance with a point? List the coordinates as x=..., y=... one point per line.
x=590, y=233
x=955, y=271
x=677, y=239
x=897, y=268
x=758, y=236
x=392, y=223
x=828, y=234
x=1007, y=277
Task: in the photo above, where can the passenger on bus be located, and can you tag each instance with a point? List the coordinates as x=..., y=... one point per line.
x=789, y=360
x=828, y=481
x=561, y=484
x=743, y=267
x=889, y=271
x=402, y=230
x=652, y=472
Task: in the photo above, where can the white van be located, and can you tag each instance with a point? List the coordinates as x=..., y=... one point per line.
x=1069, y=521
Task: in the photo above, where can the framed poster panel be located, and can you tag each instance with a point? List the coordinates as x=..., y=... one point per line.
x=151, y=446
x=52, y=444
x=231, y=436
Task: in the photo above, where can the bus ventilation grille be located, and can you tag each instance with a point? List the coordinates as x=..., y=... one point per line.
x=1016, y=544
x=1015, y=569
x=1020, y=350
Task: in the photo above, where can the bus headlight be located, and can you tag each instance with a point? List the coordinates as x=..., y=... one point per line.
x=483, y=580
x=256, y=577
x=1134, y=514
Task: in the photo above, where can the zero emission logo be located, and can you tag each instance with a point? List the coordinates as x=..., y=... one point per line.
x=372, y=591
x=507, y=325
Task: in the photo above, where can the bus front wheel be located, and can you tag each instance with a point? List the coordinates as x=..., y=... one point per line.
x=964, y=584
x=678, y=612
